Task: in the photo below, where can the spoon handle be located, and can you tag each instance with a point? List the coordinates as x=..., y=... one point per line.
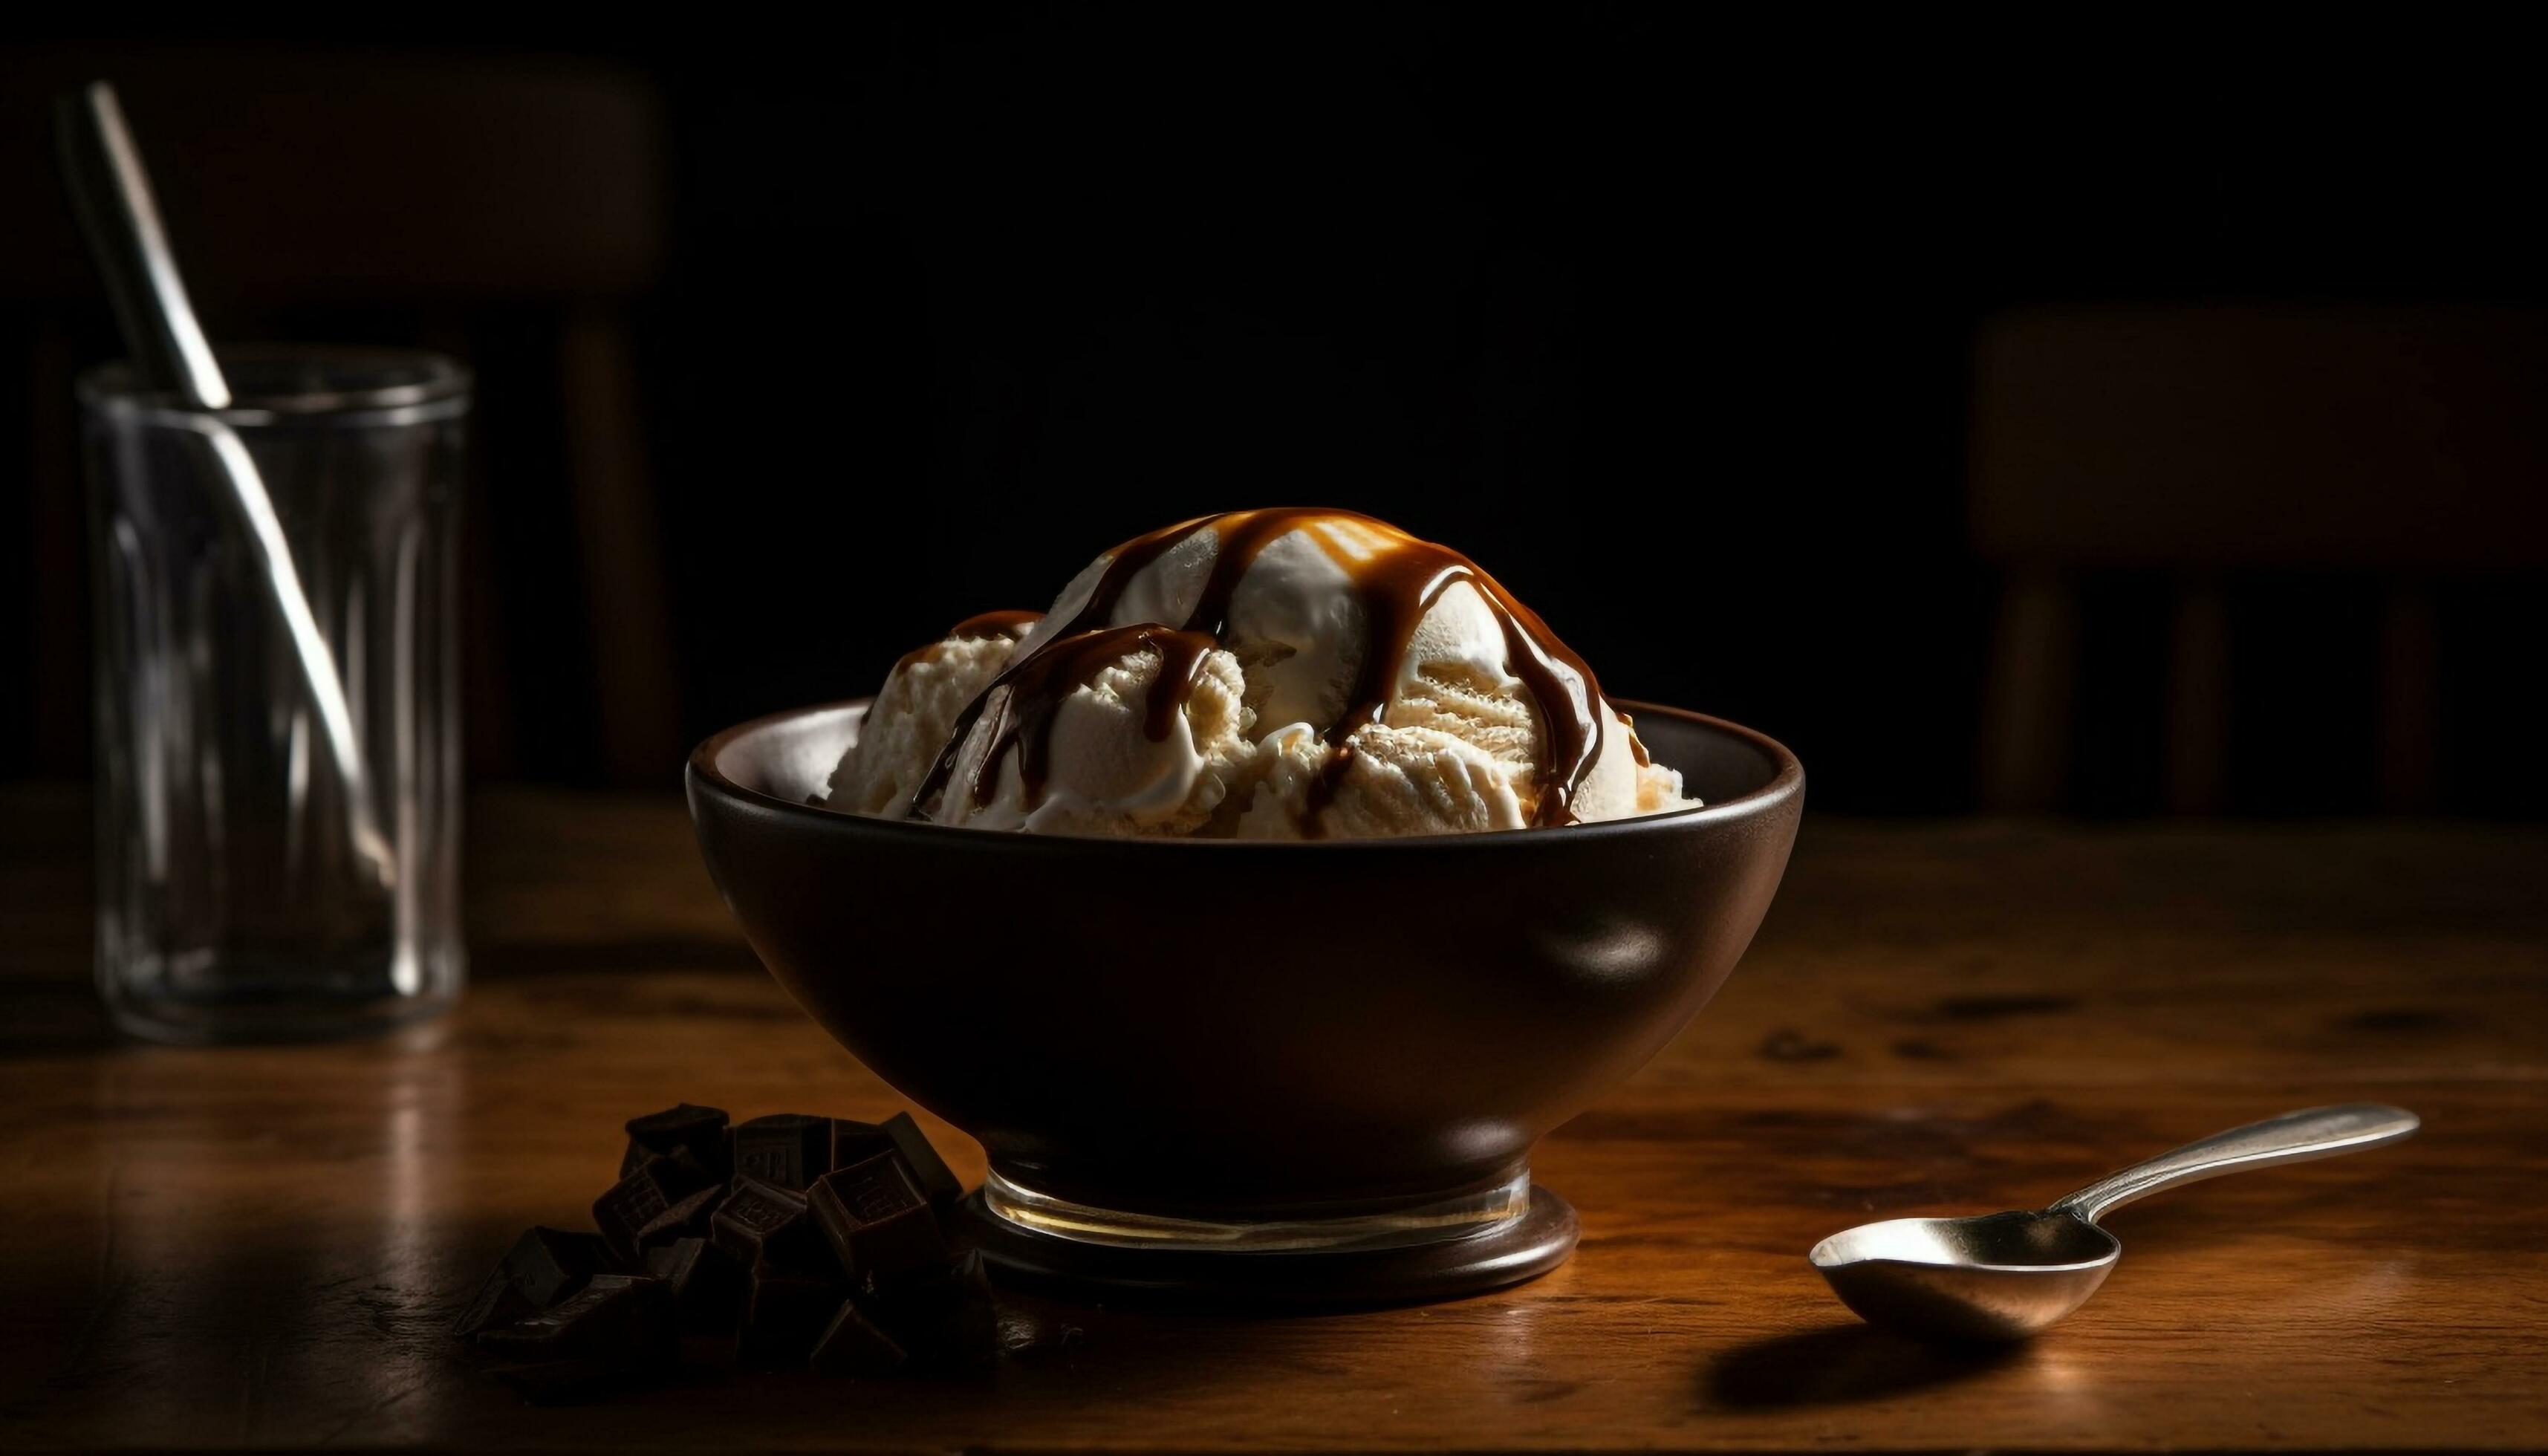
x=111, y=192
x=2295, y=1136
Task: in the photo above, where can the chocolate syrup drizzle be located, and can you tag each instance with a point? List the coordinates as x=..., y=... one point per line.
x=996, y=624
x=1399, y=583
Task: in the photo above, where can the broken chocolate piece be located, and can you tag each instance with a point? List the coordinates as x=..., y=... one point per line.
x=681, y=1166
x=544, y=1267
x=698, y=1130
x=758, y=1224
x=877, y=1221
x=687, y=1219
x=788, y=1149
x=854, y=1345
x=674, y=1266
x=638, y=1200
x=619, y=1318
x=854, y=1142
x=548, y=1264
x=787, y=1312
x=708, y=1285
x=937, y=1181
x=497, y=1303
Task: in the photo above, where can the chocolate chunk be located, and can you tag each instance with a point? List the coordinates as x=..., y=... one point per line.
x=946, y=1319
x=937, y=1181
x=619, y=1318
x=789, y=1310
x=758, y=1224
x=497, y=1303
x=544, y=1267
x=852, y=1344
x=788, y=1149
x=680, y=1166
x=877, y=1221
x=687, y=1219
x=548, y=1264
x=854, y=1142
x=638, y=1200
x=674, y=1266
x=698, y=1130
x=708, y=1285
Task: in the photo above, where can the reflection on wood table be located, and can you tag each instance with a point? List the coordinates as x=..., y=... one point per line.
x=264, y=1246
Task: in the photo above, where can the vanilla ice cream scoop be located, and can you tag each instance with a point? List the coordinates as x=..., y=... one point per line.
x=1281, y=673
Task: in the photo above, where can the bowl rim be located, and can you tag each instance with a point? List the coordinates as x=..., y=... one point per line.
x=1786, y=783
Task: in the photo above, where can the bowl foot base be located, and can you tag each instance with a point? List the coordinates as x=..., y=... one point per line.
x=1507, y=1252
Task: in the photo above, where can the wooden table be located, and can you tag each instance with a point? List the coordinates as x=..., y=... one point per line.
x=264, y=1246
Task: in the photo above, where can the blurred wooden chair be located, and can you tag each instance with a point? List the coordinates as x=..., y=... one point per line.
x=439, y=188
x=2409, y=444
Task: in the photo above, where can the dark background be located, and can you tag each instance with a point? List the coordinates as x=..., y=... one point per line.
x=795, y=346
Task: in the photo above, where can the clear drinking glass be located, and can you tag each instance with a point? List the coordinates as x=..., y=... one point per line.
x=276, y=860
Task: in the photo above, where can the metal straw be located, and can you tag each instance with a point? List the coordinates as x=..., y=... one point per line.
x=111, y=193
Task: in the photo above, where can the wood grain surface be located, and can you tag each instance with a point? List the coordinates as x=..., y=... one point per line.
x=262, y=1247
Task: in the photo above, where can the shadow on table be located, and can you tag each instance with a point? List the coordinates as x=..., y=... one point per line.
x=1839, y=1364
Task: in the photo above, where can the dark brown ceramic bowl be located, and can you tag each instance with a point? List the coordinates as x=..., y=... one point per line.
x=1222, y=1030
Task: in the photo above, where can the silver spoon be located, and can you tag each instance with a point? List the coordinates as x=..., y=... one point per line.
x=2005, y=1276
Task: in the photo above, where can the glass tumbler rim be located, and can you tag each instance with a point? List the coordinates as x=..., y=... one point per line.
x=328, y=387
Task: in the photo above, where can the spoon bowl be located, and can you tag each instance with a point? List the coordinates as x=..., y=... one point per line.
x=1991, y=1277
